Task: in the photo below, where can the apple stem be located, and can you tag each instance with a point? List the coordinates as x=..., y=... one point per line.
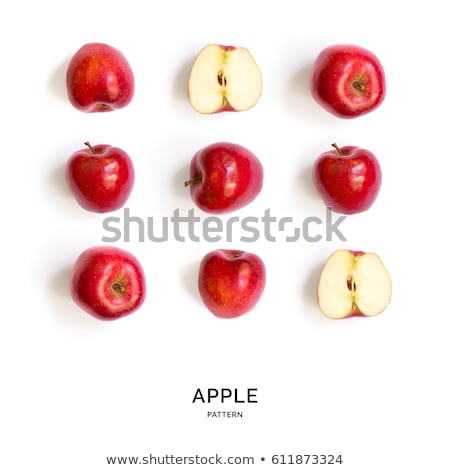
x=196, y=180
x=89, y=146
x=338, y=150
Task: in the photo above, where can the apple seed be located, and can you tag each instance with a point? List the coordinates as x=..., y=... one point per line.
x=351, y=284
x=222, y=79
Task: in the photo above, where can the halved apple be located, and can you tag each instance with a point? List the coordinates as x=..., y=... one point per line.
x=224, y=78
x=353, y=283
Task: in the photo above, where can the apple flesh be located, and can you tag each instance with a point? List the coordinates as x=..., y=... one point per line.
x=347, y=178
x=231, y=282
x=348, y=80
x=224, y=78
x=224, y=177
x=101, y=177
x=107, y=282
x=353, y=283
x=99, y=78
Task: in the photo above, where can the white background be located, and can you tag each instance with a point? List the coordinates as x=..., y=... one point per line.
x=75, y=390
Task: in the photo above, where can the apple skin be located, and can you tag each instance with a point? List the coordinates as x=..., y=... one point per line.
x=224, y=177
x=107, y=282
x=99, y=78
x=231, y=282
x=227, y=48
x=347, y=178
x=101, y=177
x=348, y=80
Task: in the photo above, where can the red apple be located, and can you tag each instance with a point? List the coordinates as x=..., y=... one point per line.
x=107, y=282
x=101, y=177
x=224, y=177
x=99, y=78
x=231, y=282
x=224, y=78
x=348, y=80
x=353, y=283
x=348, y=178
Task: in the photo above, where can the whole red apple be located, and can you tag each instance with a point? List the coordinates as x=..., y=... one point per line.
x=99, y=78
x=101, y=177
x=224, y=177
x=348, y=178
x=107, y=282
x=348, y=80
x=231, y=282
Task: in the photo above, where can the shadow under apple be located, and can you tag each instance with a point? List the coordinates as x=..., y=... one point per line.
x=299, y=101
x=63, y=307
x=306, y=183
x=57, y=81
x=60, y=195
x=179, y=188
x=189, y=278
x=309, y=291
x=297, y=90
x=180, y=85
x=309, y=295
x=57, y=179
x=301, y=79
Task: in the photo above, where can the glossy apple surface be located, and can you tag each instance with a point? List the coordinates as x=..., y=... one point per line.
x=107, y=282
x=231, y=282
x=348, y=80
x=101, y=177
x=347, y=178
x=224, y=177
x=99, y=78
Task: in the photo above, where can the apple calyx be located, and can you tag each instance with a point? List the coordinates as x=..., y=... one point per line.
x=234, y=254
x=359, y=85
x=118, y=288
x=103, y=107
